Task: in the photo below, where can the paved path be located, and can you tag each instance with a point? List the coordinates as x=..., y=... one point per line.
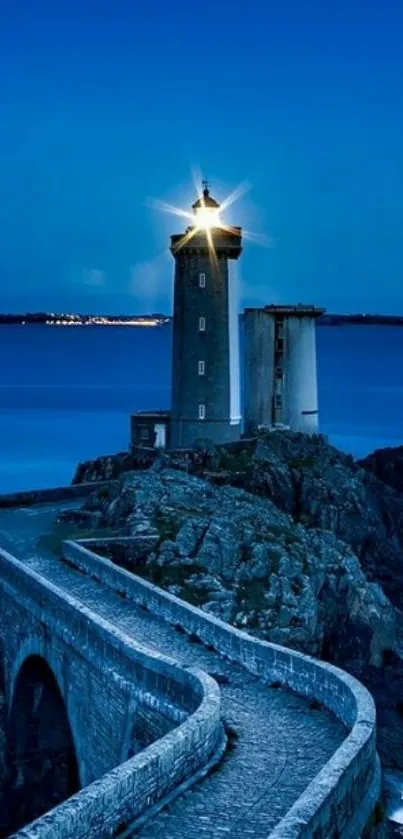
x=280, y=743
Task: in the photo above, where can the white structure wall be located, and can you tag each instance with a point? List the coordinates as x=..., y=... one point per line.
x=258, y=368
x=233, y=327
x=280, y=376
x=300, y=410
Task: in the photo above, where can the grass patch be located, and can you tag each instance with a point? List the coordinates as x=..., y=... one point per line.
x=163, y=576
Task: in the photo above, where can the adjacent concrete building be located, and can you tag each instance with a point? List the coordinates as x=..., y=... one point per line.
x=205, y=359
x=150, y=429
x=280, y=387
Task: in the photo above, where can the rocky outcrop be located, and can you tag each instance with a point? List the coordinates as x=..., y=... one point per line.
x=387, y=465
x=282, y=535
x=324, y=488
x=243, y=559
x=319, y=486
x=108, y=467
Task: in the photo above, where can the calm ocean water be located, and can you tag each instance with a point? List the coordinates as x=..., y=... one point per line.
x=66, y=394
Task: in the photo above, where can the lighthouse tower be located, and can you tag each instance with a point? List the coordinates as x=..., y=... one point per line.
x=205, y=356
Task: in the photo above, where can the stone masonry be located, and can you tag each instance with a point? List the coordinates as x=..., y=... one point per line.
x=114, y=642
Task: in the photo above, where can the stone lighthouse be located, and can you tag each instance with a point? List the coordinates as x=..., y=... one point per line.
x=205, y=354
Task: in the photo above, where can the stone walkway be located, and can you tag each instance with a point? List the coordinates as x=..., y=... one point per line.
x=278, y=743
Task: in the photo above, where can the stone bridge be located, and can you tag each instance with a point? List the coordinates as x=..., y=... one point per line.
x=121, y=698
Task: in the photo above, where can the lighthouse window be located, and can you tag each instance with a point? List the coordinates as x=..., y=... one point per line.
x=144, y=432
x=202, y=281
x=202, y=324
x=201, y=368
x=202, y=412
x=279, y=385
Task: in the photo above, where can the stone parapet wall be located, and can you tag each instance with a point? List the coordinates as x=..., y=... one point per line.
x=340, y=800
x=125, y=792
x=43, y=496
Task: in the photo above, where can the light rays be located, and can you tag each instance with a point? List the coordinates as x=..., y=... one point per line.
x=197, y=178
x=186, y=238
x=169, y=208
x=259, y=238
x=237, y=193
x=206, y=217
x=212, y=252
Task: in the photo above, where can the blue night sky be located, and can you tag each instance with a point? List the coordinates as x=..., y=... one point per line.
x=105, y=106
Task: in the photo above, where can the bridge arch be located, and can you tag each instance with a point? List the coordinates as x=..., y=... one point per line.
x=42, y=759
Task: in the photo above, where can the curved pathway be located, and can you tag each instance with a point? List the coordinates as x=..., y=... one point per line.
x=278, y=743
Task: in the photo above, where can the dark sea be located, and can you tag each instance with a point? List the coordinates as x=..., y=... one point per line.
x=66, y=393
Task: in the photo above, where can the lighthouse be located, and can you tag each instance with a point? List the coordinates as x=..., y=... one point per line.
x=205, y=353
x=279, y=348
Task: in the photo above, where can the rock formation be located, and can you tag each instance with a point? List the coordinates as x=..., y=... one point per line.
x=282, y=535
x=387, y=465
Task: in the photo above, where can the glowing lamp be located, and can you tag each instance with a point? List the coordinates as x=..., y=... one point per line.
x=206, y=211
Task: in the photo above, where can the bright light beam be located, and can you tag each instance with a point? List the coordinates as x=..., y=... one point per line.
x=169, y=208
x=212, y=252
x=240, y=190
x=207, y=218
x=259, y=239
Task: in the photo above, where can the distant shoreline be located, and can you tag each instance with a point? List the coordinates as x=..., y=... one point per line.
x=360, y=320
x=153, y=320
x=63, y=320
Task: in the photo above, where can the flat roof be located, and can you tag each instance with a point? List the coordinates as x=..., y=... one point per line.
x=145, y=414
x=300, y=309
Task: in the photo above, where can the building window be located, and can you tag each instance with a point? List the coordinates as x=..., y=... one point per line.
x=202, y=281
x=202, y=412
x=201, y=368
x=202, y=324
x=144, y=432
